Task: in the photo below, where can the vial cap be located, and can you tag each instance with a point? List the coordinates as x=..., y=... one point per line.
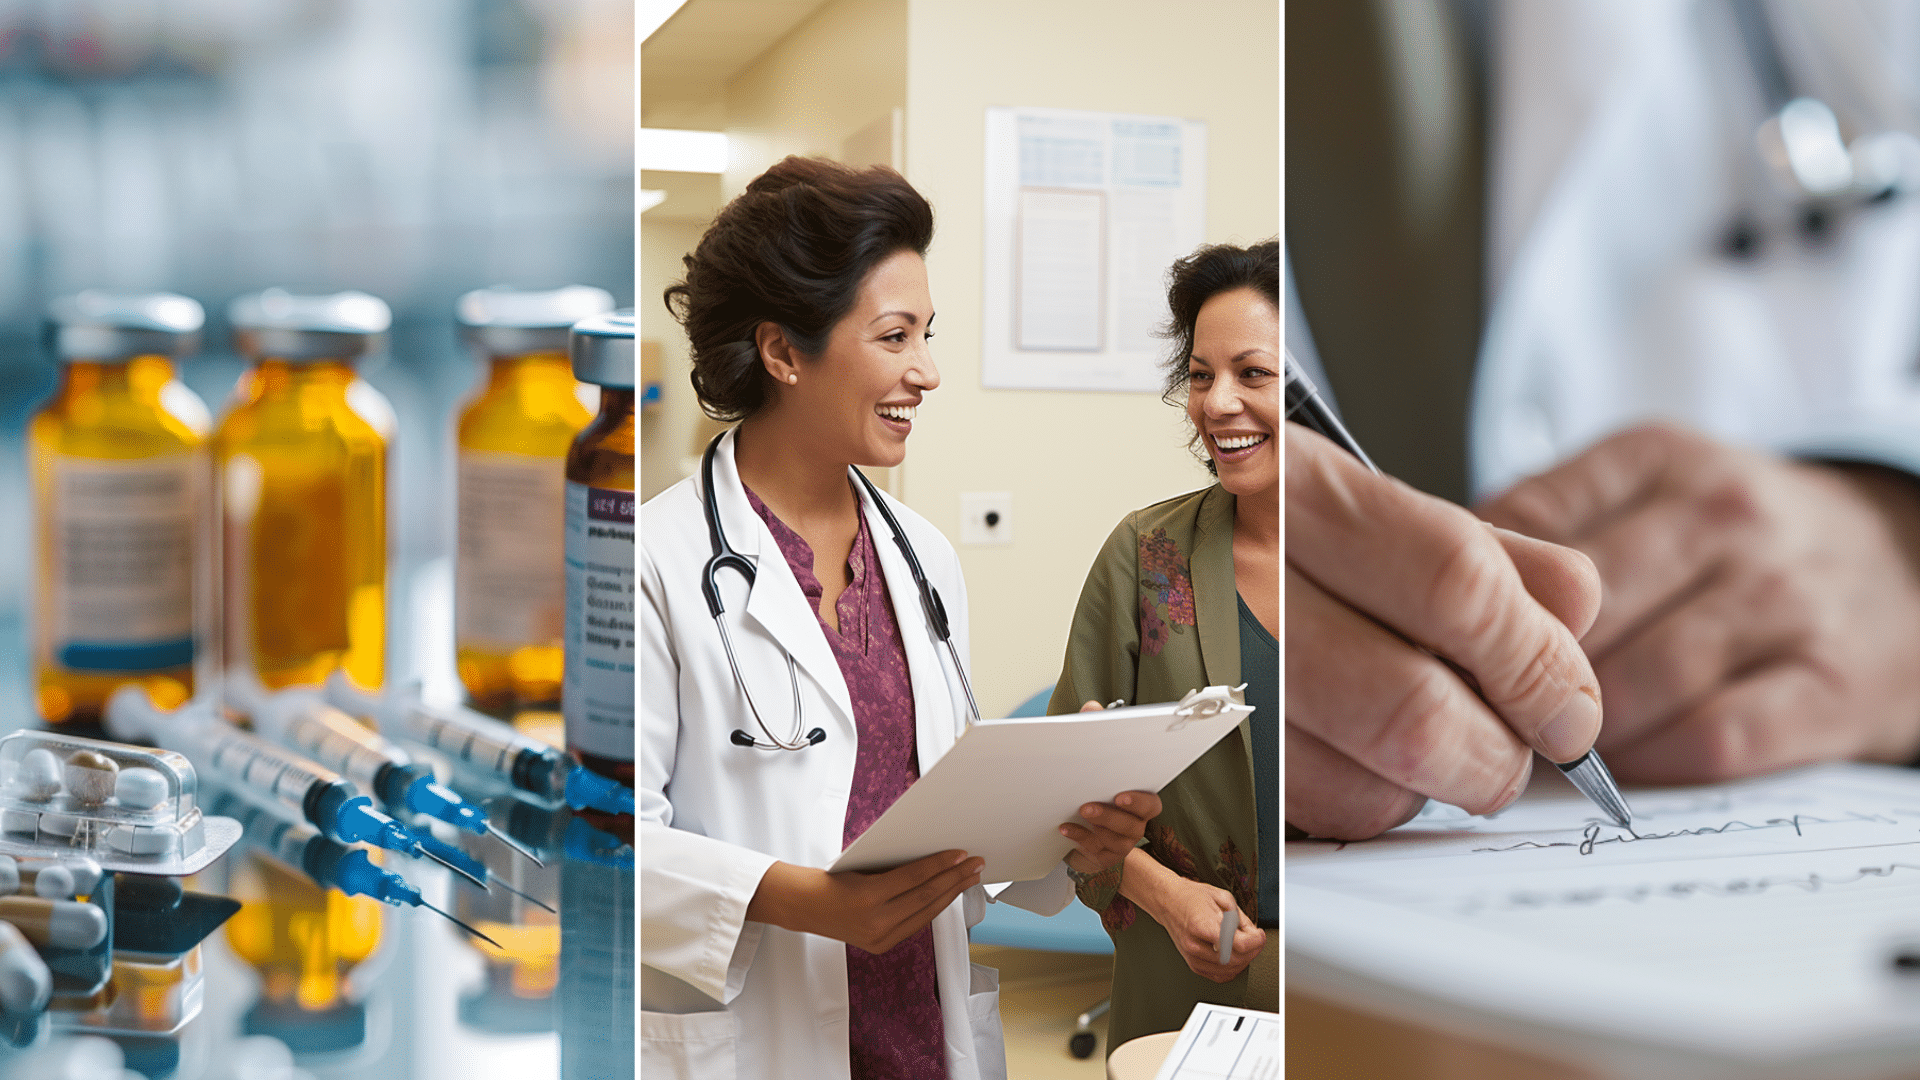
x=511, y=322
x=287, y=326
x=101, y=325
x=602, y=348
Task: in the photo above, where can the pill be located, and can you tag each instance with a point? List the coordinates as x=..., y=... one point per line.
x=65, y=924
x=25, y=982
x=19, y=821
x=86, y=874
x=59, y=824
x=38, y=777
x=141, y=789
x=142, y=840
x=54, y=882
x=90, y=777
x=81, y=877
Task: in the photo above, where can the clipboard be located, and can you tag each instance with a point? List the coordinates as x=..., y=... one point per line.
x=1004, y=789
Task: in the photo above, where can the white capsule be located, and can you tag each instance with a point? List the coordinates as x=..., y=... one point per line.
x=58, y=824
x=86, y=874
x=38, y=778
x=142, y=840
x=140, y=788
x=53, y=882
x=25, y=982
x=68, y=924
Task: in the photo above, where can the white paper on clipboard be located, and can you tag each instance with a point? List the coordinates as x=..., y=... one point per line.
x=1006, y=786
x=1220, y=1042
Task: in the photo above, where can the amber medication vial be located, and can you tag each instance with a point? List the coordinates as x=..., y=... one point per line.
x=301, y=458
x=122, y=499
x=509, y=584
x=597, y=695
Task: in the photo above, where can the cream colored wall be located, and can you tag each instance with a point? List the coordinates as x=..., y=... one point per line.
x=837, y=73
x=666, y=430
x=1075, y=462
x=830, y=80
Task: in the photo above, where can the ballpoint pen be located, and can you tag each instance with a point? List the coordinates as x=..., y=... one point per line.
x=1307, y=408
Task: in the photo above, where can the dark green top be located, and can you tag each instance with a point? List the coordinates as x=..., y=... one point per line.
x=1260, y=670
x=1156, y=619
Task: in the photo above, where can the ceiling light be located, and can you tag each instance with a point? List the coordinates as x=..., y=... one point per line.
x=670, y=150
x=653, y=13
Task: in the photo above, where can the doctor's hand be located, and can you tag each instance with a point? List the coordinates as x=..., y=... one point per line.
x=1760, y=612
x=1190, y=910
x=1382, y=580
x=874, y=912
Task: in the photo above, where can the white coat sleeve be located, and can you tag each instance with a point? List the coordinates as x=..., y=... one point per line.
x=694, y=889
x=1043, y=896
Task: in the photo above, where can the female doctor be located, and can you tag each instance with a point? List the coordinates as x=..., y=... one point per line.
x=788, y=703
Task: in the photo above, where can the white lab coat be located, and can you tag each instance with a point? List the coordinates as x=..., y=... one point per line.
x=722, y=997
x=1622, y=154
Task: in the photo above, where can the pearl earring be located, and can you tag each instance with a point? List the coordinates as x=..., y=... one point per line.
x=792, y=378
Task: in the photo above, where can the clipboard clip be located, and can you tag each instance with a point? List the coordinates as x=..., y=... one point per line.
x=1200, y=704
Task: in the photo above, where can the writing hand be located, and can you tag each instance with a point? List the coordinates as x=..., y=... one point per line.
x=872, y=911
x=1760, y=612
x=1381, y=581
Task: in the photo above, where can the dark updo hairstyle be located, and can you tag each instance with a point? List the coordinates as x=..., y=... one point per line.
x=1205, y=274
x=792, y=250
x=1198, y=278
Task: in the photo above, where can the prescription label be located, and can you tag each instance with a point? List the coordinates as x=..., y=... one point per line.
x=510, y=589
x=121, y=535
x=596, y=695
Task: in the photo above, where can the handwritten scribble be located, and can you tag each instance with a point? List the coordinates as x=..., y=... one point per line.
x=1681, y=890
x=1592, y=836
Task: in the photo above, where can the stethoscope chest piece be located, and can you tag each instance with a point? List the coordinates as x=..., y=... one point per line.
x=726, y=558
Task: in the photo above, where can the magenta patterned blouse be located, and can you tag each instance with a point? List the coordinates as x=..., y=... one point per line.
x=895, y=1031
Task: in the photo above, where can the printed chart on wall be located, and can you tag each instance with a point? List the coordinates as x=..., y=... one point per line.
x=1085, y=211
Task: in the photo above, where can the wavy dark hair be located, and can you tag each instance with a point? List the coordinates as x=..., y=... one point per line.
x=1198, y=278
x=792, y=250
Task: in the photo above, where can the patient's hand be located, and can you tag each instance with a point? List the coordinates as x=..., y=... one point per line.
x=1759, y=612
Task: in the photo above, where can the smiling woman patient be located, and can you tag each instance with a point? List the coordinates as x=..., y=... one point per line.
x=764, y=752
x=1186, y=593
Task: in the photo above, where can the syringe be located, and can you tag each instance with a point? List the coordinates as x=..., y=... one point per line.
x=485, y=744
x=223, y=752
x=329, y=863
x=474, y=867
x=299, y=717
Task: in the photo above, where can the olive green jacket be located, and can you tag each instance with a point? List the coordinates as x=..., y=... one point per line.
x=1158, y=617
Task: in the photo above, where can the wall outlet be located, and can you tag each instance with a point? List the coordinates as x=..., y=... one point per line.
x=986, y=517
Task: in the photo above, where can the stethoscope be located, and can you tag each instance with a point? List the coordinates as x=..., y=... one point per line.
x=1805, y=151
x=725, y=558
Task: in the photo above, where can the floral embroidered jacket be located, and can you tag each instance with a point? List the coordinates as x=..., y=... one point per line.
x=1158, y=617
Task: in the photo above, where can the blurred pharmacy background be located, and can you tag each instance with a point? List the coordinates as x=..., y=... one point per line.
x=411, y=150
